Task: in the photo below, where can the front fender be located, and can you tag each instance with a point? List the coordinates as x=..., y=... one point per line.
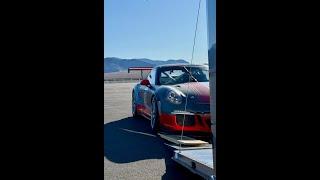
x=164, y=105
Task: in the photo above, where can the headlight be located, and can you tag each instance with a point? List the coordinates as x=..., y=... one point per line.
x=174, y=97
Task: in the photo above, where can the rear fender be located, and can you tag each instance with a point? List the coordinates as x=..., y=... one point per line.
x=138, y=94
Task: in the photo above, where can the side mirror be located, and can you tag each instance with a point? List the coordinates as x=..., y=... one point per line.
x=145, y=82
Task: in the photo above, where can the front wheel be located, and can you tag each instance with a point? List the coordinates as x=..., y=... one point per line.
x=154, y=116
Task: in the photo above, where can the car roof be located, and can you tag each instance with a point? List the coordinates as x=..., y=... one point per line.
x=180, y=65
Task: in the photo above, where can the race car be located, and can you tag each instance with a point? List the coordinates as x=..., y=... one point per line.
x=174, y=97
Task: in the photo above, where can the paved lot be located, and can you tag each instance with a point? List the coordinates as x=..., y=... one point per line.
x=131, y=150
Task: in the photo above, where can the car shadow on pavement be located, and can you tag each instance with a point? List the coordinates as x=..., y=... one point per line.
x=131, y=139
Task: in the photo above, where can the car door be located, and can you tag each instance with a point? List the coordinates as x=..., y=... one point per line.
x=149, y=92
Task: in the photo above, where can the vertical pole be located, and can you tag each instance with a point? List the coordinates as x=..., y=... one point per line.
x=211, y=23
x=141, y=75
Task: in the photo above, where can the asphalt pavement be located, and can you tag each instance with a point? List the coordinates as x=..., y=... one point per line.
x=131, y=150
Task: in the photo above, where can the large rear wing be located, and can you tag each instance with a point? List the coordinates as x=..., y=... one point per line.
x=141, y=69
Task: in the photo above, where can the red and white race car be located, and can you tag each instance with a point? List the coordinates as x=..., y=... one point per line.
x=171, y=93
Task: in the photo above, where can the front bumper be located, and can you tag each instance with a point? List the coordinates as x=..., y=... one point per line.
x=194, y=122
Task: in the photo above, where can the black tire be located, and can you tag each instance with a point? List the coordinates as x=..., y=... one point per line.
x=133, y=106
x=154, y=119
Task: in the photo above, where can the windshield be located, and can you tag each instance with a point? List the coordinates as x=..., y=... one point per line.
x=178, y=75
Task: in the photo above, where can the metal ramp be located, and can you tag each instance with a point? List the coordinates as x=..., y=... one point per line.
x=185, y=140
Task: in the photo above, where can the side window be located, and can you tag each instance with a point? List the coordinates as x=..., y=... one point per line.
x=149, y=77
x=152, y=77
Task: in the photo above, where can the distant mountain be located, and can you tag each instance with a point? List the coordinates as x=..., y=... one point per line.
x=113, y=64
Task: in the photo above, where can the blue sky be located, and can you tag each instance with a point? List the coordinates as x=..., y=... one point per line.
x=155, y=29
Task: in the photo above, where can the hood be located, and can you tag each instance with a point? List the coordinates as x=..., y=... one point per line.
x=198, y=92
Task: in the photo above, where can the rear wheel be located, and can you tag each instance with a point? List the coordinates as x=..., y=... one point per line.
x=154, y=116
x=133, y=104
